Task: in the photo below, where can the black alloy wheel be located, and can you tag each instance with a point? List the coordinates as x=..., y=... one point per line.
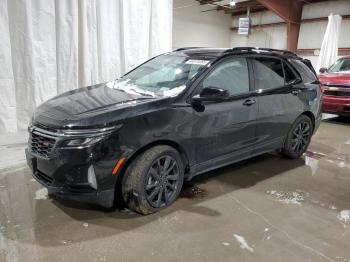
x=162, y=181
x=153, y=180
x=298, y=138
x=301, y=137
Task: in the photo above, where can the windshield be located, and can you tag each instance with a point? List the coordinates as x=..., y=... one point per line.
x=341, y=65
x=165, y=75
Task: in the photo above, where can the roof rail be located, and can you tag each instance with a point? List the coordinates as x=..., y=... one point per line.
x=258, y=49
x=186, y=48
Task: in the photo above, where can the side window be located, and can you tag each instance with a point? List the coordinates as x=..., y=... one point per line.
x=288, y=73
x=306, y=74
x=268, y=73
x=231, y=75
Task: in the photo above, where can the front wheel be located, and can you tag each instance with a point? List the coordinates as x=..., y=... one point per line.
x=154, y=180
x=298, y=138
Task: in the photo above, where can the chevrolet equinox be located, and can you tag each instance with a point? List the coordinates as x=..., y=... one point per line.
x=171, y=118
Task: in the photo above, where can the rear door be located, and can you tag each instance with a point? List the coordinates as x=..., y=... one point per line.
x=278, y=101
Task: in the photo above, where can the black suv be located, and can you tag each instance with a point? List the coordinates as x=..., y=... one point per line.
x=175, y=116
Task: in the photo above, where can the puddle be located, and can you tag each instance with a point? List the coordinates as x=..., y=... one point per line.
x=312, y=158
x=191, y=191
x=344, y=216
x=295, y=198
x=315, y=155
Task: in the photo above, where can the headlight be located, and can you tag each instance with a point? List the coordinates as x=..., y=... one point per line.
x=82, y=141
x=85, y=137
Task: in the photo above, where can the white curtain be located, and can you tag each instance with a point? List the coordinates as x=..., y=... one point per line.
x=329, y=47
x=51, y=46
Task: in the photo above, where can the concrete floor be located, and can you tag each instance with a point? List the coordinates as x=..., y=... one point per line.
x=264, y=209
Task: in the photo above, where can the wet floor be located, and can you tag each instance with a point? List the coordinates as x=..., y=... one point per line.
x=264, y=209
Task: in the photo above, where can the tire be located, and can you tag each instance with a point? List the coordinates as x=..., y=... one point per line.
x=298, y=137
x=149, y=183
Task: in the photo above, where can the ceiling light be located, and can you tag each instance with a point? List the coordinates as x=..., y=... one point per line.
x=232, y=3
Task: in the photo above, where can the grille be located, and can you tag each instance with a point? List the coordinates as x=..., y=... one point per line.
x=41, y=145
x=336, y=93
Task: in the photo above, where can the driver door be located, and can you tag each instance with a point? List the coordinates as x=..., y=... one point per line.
x=224, y=131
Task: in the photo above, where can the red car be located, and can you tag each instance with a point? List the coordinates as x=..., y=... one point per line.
x=335, y=84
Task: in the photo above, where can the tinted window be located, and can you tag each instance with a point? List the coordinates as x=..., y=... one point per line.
x=306, y=74
x=231, y=75
x=288, y=73
x=268, y=73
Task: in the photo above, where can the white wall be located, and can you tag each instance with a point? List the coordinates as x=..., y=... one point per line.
x=272, y=36
x=311, y=34
x=191, y=27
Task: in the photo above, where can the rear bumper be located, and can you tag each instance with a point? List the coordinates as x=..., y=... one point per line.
x=317, y=122
x=336, y=105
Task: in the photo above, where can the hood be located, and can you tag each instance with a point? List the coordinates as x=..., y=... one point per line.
x=97, y=105
x=335, y=78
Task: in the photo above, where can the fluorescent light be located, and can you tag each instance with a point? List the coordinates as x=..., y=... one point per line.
x=232, y=3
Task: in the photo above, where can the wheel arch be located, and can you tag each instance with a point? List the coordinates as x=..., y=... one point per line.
x=311, y=116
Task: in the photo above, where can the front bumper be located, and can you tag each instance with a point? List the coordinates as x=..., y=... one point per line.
x=336, y=105
x=66, y=172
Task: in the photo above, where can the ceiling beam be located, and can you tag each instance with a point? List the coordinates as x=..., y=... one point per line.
x=239, y=8
x=290, y=11
x=243, y=11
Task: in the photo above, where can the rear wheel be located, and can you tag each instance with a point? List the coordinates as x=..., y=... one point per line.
x=153, y=180
x=298, y=138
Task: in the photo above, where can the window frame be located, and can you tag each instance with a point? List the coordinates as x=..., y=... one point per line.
x=299, y=66
x=254, y=68
x=197, y=85
x=284, y=63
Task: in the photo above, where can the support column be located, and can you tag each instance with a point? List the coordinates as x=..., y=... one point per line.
x=290, y=11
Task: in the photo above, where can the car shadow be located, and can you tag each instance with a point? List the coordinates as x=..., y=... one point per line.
x=204, y=187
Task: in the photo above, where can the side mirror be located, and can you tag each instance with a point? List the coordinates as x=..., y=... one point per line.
x=323, y=70
x=211, y=94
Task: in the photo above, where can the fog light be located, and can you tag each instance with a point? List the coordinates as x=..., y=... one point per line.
x=92, y=177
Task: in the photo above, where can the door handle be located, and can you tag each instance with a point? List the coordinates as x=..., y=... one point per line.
x=296, y=92
x=249, y=102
